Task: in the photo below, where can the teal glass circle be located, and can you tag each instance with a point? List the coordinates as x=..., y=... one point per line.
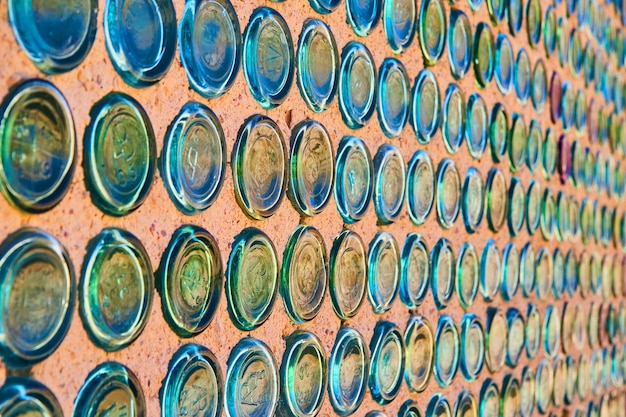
x=119, y=154
x=363, y=16
x=193, y=383
x=533, y=207
x=387, y=362
x=498, y=132
x=552, y=331
x=304, y=276
x=558, y=284
x=583, y=383
x=209, y=38
x=584, y=274
x=467, y=275
x=496, y=339
x=597, y=372
x=617, y=378
x=303, y=375
x=348, y=371
x=544, y=272
x=516, y=340
x=490, y=270
x=443, y=269
x=38, y=286
x=420, y=352
x=259, y=164
x=515, y=15
x=459, y=43
x=420, y=187
x=415, y=273
x=510, y=397
x=354, y=179
x=489, y=399
x=189, y=280
x=111, y=387
x=268, y=57
x=568, y=102
x=548, y=213
x=496, y=199
x=517, y=143
x=570, y=217
x=549, y=30
x=589, y=63
x=527, y=392
x=432, y=30
x=473, y=201
x=576, y=163
x=409, y=409
x=389, y=183
x=447, y=351
x=593, y=325
x=393, y=97
x=56, y=42
x=610, y=324
x=22, y=396
x=571, y=272
x=497, y=10
x=400, y=21
x=116, y=289
x=534, y=145
x=477, y=125
x=348, y=274
x=570, y=326
x=312, y=168
x=574, y=329
x=600, y=174
x=140, y=38
x=38, y=146
x=454, y=113
x=504, y=63
x=527, y=270
x=563, y=33
x=533, y=331
x=248, y=361
x=251, y=279
x=193, y=159
x=533, y=24
x=511, y=262
x=606, y=225
x=475, y=4
x=539, y=85
x=448, y=193
x=472, y=347
x=484, y=54
x=357, y=85
x=465, y=405
x=618, y=285
x=543, y=385
x=438, y=406
x=383, y=270
x=317, y=63
x=521, y=76
x=426, y=104
x=324, y=6
x=580, y=111
x=516, y=212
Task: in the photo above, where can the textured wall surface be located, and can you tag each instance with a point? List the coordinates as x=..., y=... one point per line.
x=76, y=220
